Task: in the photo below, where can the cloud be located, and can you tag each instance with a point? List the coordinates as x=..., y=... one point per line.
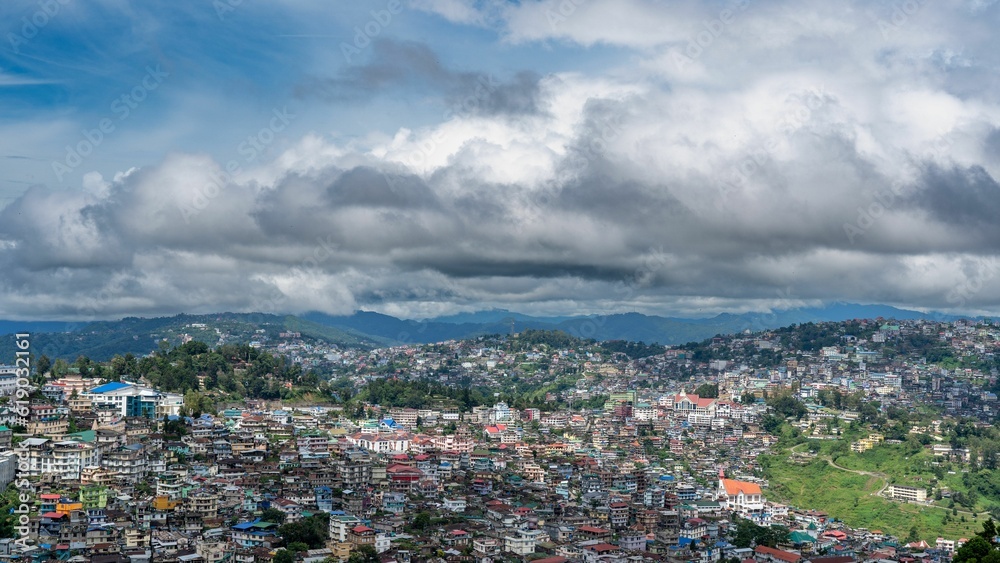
x=801, y=153
x=409, y=66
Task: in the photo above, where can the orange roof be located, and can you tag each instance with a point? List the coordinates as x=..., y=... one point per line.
x=734, y=487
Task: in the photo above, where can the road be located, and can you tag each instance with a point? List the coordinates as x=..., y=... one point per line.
x=882, y=476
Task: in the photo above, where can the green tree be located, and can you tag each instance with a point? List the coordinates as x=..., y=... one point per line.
x=709, y=390
x=421, y=521
x=283, y=556
x=364, y=554
x=976, y=550
x=43, y=365
x=273, y=515
x=311, y=532
x=297, y=547
x=989, y=532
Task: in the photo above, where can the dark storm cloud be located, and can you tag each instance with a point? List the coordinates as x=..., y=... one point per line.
x=991, y=146
x=370, y=188
x=966, y=197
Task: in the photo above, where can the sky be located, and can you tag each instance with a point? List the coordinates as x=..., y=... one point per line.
x=427, y=157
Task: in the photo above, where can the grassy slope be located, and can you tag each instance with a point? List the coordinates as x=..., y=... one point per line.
x=847, y=496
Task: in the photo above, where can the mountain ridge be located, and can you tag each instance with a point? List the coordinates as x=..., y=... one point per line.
x=369, y=329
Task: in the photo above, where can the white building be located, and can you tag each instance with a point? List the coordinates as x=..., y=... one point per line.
x=41, y=456
x=134, y=400
x=397, y=442
x=523, y=541
x=909, y=494
x=745, y=499
x=8, y=380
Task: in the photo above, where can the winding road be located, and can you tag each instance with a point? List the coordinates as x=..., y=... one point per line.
x=882, y=476
x=885, y=484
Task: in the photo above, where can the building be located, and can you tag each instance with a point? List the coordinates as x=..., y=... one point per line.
x=865, y=444
x=8, y=380
x=65, y=460
x=743, y=498
x=522, y=542
x=764, y=554
x=134, y=400
x=906, y=493
x=8, y=469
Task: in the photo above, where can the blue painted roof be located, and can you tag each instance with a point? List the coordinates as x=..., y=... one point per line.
x=108, y=387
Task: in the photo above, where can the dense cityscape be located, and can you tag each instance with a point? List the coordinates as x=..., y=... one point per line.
x=829, y=442
x=499, y=281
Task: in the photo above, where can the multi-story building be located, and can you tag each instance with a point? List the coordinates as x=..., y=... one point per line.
x=361, y=535
x=203, y=503
x=522, y=542
x=340, y=526
x=170, y=484
x=905, y=493
x=129, y=463
x=45, y=420
x=8, y=380
x=8, y=468
x=743, y=498
x=134, y=400
x=65, y=460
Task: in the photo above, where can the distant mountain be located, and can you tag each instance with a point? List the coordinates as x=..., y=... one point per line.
x=404, y=331
x=32, y=327
x=365, y=329
x=139, y=336
x=495, y=316
x=627, y=326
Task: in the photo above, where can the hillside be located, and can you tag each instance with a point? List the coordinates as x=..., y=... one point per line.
x=366, y=329
x=634, y=327
x=140, y=336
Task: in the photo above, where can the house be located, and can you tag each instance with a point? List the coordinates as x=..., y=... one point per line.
x=764, y=554
x=361, y=535
x=743, y=498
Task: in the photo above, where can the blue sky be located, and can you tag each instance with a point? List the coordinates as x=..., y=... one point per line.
x=548, y=156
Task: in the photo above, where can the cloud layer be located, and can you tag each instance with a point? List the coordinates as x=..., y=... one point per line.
x=730, y=156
